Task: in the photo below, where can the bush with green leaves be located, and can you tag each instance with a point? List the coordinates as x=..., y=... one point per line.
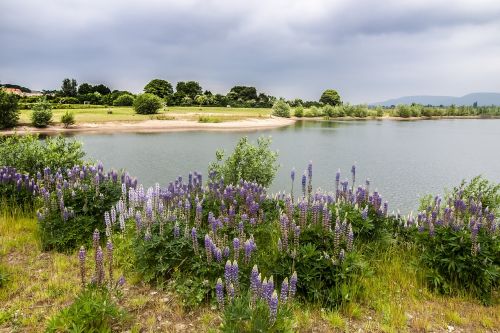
x=298, y=111
x=147, y=104
x=68, y=119
x=124, y=100
x=9, y=111
x=93, y=311
x=95, y=308
x=69, y=100
x=459, y=239
x=258, y=310
x=30, y=154
x=281, y=109
x=73, y=206
x=254, y=163
x=41, y=113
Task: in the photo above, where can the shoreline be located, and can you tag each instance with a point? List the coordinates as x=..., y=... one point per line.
x=152, y=126
x=179, y=125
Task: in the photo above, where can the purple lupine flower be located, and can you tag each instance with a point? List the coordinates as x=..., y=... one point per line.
x=113, y=215
x=194, y=238
x=122, y=222
x=310, y=169
x=81, y=256
x=292, y=175
x=280, y=245
x=263, y=289
x=293, y=285
x=121, y=281
x=234, y=274
x=273, y=307
x=230, y=292
x=350, y=237
x=228, y=272
x=226, y=252
x=219, y=291
x=284, y=291
x=248, y=250
x=99, y=267
x=254, y=284
x=107, y=222
x=218, y=254
x=208, y=248
x=364, y=213
x=177, y=231
x=96, y=237
x=236, y=248
x=269, y=288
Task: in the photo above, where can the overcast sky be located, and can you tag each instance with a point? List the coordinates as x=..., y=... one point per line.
x=367, y=50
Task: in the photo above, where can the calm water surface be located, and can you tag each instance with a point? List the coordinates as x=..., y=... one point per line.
x=403, y=159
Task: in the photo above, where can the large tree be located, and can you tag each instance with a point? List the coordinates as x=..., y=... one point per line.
x=69, y=88
x=190, y=89
x=160, y=88
x=243, y=93
x=9, y=113
x=85, y=88
x=330, y=97
x=101, y=89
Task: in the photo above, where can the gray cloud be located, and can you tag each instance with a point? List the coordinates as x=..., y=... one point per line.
x=368, y=50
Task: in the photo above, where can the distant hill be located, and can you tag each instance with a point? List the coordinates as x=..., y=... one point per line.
x=482, y=99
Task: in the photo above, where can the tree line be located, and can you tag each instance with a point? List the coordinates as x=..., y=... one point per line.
x=185, y=93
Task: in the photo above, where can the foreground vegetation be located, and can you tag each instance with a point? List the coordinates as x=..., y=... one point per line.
x=222, y=254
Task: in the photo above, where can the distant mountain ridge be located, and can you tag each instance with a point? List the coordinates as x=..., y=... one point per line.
x=482, y=99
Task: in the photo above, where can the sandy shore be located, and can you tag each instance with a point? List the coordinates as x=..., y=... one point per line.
x=148, y=126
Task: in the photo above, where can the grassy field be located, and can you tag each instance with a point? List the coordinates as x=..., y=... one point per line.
x=41, y=283
x=92, y=114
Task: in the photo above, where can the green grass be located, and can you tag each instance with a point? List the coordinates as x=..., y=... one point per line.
x=395, y=298
x=100, y=114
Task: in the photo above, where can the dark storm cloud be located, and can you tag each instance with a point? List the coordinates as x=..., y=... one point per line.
x=368, y=50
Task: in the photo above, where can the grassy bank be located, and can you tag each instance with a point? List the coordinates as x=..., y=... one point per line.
x=100, y=114
x=396, y=300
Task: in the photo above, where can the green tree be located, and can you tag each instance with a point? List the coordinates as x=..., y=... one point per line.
x=69, y=88
x=256, y=163
x=124, y=100
x=201, y=100
x=101, y=89
x=243, y=93
x=330, y=97
x=160, y=88
x=281, y=109
x=85, y=88
x=9, y=113
x=190, y=89
x=41, y=115
x=147, y=104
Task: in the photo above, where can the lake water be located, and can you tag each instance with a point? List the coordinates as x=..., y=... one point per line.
x=403, y=159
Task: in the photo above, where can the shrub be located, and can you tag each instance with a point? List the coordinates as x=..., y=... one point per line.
x=29, y=154
x=9, y=112
x=70, y=214
x=93, y=311
x=147, y=104
x=255, y=163
x=252, y=313
x=403, y=111
x=299, y=111
x=328, y=111
x=281, y=109
x=124, y=100
x=41, y=114
x=69, y=100
x=68, y=119
x=459, y=243
x=313, y=111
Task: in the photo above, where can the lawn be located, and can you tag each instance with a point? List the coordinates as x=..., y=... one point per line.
x=100, y=114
